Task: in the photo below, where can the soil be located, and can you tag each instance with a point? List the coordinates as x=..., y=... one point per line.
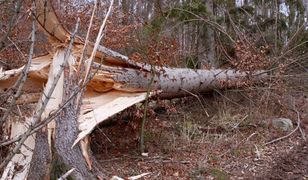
x=294, y=165
x=182, y=142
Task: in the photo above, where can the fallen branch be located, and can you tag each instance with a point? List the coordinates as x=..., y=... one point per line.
x=298, y=127
x=197, y=97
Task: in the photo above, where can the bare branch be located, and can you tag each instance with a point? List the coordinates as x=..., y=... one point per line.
x=97, y=42
x=298, y=127
x=23, y=76
x=11, y=24
x=81, y=62
x=197, y=97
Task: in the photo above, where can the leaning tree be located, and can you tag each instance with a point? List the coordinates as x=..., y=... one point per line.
x=75, y=87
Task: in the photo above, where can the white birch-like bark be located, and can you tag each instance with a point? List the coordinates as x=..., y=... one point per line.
x=169, y=80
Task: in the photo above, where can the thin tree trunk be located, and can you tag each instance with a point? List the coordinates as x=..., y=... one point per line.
x=211, y=38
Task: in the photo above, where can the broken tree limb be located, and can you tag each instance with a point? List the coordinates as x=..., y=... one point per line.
x=51, y=25
x=48, y=20
x=97, y=42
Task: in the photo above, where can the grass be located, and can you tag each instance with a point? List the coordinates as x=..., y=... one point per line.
x=219, y=174
x=188, y=129
x=217, y=147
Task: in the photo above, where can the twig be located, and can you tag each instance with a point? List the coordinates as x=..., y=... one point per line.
x=81, y=62
x=64, y=176
x=138, y=176
x=11, y=24
x=97, y=42
x=196, y=96
x=43, y=104
x=81, y=65
x=15, y=45
x=23, y=77
x=299, y=125
x=288, y=135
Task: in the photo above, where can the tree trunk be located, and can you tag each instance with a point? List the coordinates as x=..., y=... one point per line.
x=41, y=160
x=169, y=80
x=210, y=34
x=206, y=46
x=66, y=132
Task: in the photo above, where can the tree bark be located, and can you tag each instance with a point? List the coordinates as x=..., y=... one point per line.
x=41, y=159
x=169, y=80
x=66, y=133
x=210, y=34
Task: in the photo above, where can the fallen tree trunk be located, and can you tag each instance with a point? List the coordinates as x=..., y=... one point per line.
x=117, y=84
x=169, y=80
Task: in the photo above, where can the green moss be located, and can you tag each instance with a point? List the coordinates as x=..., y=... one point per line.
x=219, y=174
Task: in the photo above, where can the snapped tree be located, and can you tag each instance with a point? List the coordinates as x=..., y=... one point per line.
x=77, y=86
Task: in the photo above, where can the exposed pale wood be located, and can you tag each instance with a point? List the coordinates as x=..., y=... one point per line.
x=22, y=159
x=28, y=98
x=36, y=68
x=38, y=74
x=98, y=107
x=52, y=104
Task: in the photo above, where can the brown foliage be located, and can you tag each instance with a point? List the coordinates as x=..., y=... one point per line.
x=249, y=58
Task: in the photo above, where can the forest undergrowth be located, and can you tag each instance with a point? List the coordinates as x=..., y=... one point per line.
x=224, y=137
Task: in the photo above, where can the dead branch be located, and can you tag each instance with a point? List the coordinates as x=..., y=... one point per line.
x=197, y=97
x=298, y=127
x=97, y=42
x=11, y=24
x=82, y=56
x=23, y=77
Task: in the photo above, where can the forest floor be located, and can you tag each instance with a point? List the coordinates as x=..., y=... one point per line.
x=182, y=142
